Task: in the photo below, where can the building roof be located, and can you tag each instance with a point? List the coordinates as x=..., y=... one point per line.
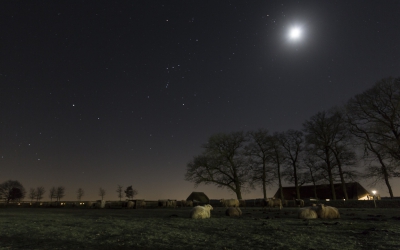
x=354, y=191
x=198, y=196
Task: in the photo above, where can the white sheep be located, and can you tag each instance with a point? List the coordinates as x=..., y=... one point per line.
x=189, y=203
x=201, y=212
x=308, y=213
x=275, y=203
x=171, y=203
x=130, y=204
x=142, y=204
x=230, y=202
x=233, y=212
x=327, y=212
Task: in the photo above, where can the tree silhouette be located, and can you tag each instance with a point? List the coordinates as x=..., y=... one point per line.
x=130, y=192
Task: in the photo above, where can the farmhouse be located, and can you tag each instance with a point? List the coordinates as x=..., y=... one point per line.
x=354, y=191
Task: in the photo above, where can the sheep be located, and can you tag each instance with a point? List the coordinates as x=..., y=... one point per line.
x=275, y=203
x=308, y=212
x=327, y=212
x=130, y=204
x=242, y=203
x=233, y=212
x=201, y=212
x=141, y=204
x=189, y=203
x=230, y=202
x=299, y=202
x=171, y=203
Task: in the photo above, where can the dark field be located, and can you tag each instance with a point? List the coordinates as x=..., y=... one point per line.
x=60, y=228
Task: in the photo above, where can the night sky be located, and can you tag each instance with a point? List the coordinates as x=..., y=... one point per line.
x=99, y=95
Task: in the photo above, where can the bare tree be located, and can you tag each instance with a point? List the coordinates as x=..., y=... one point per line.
x=277, y=158
x=52, y=193
x=60, y=193
x=222, y=163
x=79, y=194
x=39, y=193
x=314, y=172
x=374, y=118
x=102, y=193
x=32, y=194
x=130, y=192
x=342, y=149
x=120, y=192
x=12, y=191
x=259, y=153
x=292, y=144
x=319, y=136
x=329, y=139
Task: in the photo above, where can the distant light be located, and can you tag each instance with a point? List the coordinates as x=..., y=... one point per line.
x=374, y=192
x=295, y=33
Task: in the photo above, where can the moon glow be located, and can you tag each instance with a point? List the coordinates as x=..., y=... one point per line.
x=295, y=33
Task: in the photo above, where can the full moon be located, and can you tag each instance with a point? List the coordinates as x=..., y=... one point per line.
x=295, y=33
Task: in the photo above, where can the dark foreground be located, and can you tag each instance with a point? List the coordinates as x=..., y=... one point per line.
x=58, y=228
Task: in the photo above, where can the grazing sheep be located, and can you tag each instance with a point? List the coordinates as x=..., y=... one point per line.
x=308, y=213
x=275, y=203
x=242, y=203
x=201, y=212
x=189, y=203
x=230, y=202
x=171, y=203
x=233, y=212
x=327, y=212
x=130, y=204
x=141, y=204
x=299, y=202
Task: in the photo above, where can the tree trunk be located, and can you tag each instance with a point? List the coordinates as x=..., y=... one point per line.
x=343, y=182
x=389, y=187
x=264, y=187
x=280, y=181
x=386, y=176
x=296, y=184
x=330, y=176
x=238, y=194
x=341, y=175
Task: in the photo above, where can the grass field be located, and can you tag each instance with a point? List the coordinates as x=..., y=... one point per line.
x=60, y=228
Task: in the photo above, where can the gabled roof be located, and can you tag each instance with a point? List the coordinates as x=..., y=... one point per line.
x=354, y=191
x=198, y=196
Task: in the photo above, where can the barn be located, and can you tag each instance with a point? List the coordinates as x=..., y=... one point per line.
x=354, y=191
x=198, y=197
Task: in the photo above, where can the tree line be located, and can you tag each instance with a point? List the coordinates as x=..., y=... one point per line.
x=360, y=139
x=13, y=190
